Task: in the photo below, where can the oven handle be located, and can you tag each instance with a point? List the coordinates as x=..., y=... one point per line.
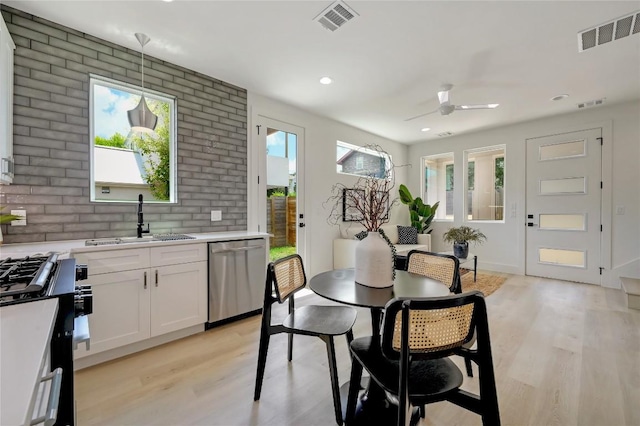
x=54, y=398
x=81, y=332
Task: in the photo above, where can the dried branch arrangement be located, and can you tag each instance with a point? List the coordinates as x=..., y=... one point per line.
x=368, y=200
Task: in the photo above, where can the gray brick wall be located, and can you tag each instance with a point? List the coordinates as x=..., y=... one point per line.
x=51, y=139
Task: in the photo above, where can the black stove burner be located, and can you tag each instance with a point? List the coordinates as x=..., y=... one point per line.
x=24, y=278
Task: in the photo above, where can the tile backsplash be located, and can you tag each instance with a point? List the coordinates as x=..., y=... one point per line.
x=51, y=139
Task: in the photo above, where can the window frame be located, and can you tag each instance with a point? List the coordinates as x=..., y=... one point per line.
x=449, y=159
x=173, y=135
x=465, y=164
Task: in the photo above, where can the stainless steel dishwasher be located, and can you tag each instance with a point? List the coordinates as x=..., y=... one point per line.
x=236, y=279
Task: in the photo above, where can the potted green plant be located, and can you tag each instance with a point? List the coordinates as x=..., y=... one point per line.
x=421, y=214
x=6, y=218
x=460, y=237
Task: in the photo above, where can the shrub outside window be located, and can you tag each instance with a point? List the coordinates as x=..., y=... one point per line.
x=438, y=183
x=126, y=163
x=485, y=198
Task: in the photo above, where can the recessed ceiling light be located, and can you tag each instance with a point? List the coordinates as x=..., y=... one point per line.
x=425, y=129
x=167, y=1
x=560, y=97
x=326, y=80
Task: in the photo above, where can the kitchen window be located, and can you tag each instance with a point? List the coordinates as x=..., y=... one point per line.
x=125, y=162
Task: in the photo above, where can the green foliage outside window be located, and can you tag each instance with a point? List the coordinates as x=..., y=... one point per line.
x=499, y=172
x=118, y=140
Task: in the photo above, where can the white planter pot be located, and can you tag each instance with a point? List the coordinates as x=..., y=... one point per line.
x=374, y=262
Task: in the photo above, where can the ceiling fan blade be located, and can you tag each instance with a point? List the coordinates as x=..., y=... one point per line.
x=421, y=115
x=479, y=106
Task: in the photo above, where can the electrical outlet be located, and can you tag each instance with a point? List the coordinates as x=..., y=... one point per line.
x=19, y=222
x=216, y=215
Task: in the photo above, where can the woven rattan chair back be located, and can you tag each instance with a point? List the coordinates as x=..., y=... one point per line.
x=436, y=325
x=288, y=276
x=432, y=265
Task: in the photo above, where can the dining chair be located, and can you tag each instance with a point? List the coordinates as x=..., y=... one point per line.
x=411, y=360
x=444, y=268
x=285, y=277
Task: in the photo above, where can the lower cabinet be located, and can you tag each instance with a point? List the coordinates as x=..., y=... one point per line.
x=137, y=304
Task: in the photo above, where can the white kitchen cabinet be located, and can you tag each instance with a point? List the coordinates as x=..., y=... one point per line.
x=6, y=104
x=178, y=298
x=144, y=292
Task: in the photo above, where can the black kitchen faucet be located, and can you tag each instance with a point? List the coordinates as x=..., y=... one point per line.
x=141, y=219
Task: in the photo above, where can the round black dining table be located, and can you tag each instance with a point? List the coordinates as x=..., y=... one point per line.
x=340, y=286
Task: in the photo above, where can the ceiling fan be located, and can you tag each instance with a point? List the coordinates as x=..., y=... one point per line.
x=447, y=108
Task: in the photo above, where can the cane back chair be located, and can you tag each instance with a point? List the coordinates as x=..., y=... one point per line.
x=411, y=361
x=285, y=277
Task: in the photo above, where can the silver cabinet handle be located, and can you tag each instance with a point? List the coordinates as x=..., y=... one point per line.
x=145, y=279
x=156, y=278
x=51, y=414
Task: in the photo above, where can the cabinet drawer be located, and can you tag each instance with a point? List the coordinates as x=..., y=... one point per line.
x=103, y=262
x=183, y=253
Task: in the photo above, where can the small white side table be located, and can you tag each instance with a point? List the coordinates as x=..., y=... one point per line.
x=470, y=258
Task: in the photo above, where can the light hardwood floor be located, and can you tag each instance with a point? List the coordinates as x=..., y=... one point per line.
x=564, y=354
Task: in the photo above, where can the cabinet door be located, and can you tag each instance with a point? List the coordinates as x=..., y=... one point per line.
x=120, y=310
x=178, y=297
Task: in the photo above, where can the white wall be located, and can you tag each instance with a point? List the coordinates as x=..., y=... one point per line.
x=504, y=250
x=320, y=136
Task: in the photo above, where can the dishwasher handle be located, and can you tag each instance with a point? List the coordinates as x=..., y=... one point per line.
x=235, y=250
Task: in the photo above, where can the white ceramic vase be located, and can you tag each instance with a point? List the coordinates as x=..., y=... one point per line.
x=374, y=264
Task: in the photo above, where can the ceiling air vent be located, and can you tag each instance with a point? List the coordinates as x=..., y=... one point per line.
x=336, y=15
x=609, y=31
x=444, y=134
x=590, y=104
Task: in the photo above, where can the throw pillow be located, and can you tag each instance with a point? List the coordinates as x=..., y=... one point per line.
x=407, y=235
x=362, y=234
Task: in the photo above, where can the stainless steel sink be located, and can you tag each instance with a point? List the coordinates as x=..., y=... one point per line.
x=133, y=240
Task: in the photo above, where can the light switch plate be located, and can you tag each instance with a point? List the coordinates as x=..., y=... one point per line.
x=18, y=222
x=216, y=215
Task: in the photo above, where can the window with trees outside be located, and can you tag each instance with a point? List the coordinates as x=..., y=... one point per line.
x=438, y=184
x=125, y=163
x=485, y=197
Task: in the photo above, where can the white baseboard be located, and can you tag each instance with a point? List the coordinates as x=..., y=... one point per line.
x=611, y=279
x=499, y=267
x=111, y=354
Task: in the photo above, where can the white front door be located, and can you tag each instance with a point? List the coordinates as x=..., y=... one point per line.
x=281, y=185
x=563, y=206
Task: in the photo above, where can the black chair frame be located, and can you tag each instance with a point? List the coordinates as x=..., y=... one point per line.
x=271, y=296
x=485, y=404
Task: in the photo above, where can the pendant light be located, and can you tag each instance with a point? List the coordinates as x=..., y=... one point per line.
x=141, y=118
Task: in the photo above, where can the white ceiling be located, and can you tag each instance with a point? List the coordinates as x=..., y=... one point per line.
x=388, y=63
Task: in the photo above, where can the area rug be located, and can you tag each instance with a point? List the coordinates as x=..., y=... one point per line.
x=485, y=282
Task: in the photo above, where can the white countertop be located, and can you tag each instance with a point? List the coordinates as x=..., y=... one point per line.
x=25, y=332
x=78, y=246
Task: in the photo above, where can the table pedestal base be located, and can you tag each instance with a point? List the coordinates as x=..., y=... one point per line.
x=372, y=410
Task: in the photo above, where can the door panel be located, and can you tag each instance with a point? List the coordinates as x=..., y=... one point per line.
x=563, y=206
x=281, y=170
